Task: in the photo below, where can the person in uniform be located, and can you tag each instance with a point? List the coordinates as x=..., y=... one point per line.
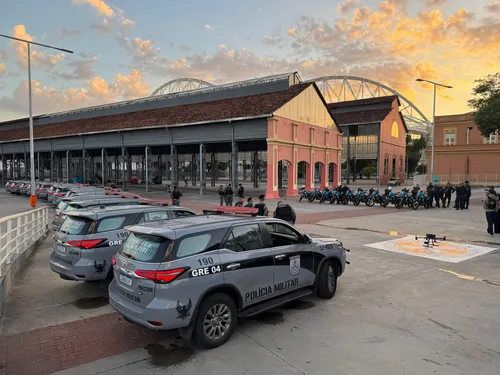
x=229, y=195
x=222, y=194
x=263, y=210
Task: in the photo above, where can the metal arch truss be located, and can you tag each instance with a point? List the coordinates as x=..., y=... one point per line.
x=180, y=85
x=343, y=88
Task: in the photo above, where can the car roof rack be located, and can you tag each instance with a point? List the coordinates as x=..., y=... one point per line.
x=230, y=210
x=155, y=202
x=129, y=195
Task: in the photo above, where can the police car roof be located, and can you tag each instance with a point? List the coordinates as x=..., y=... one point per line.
x=98, y=213
x=177, y=228
x=90, y=199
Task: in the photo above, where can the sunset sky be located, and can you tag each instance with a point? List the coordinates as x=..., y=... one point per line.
x=124, y=49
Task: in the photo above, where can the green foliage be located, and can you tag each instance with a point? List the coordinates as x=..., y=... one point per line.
x=414, y=148
x=368, y=172
x=486, y=104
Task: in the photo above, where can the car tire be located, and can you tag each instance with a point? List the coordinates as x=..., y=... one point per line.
x=208, y=307
x=327, y=280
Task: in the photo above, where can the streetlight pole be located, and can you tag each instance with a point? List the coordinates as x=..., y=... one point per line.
x=435, y=84
x=32, y=143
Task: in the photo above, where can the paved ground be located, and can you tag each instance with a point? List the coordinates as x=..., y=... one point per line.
x=11, y=205
x=393, y=313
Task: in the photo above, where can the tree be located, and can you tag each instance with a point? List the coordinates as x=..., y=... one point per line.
x=486, y=104
x=369, y=172
x=414, y=148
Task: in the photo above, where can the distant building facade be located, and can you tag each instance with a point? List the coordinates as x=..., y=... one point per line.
x=373, y=129
x=462, y=153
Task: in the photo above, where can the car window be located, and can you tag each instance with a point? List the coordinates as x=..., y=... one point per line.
x=62, y=205
x=154, y=216
x=110, y=223
x=182, y=213
x=244, y=238
x=145, y=248
x=75, y=225
x=282, y=235
x=193, y=245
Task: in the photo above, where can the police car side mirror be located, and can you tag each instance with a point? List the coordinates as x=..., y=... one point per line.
x=307, y=239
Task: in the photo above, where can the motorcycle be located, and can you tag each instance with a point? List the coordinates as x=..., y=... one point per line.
x=395, y=199
x=305, y=194
x=380, y=199
x=362, y=197
x=326, y=195
x=316, y=194
x=338, y=197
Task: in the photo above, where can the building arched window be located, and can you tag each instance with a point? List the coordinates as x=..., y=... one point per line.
x=395, y=130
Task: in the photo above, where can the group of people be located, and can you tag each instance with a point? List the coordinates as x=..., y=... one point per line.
x=440, y=194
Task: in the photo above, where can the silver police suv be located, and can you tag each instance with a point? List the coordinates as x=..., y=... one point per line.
x=87, y=239
x=199, y=274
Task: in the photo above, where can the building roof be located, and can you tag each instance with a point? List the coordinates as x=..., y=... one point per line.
x=362, y=117
x=360, y=102
x=258, y=105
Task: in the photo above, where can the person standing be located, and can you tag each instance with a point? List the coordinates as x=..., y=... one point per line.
x=263, y=210
x=222, y=194
x=430, y=194
x=241, y=191
x=460, y=200
x=229, y=195
x=285, y=212
x=447, y=191
x=249, y=202
x=497, y=221
x=438, y=194
x=468, y=194
x=176, y=196
x=491, y=208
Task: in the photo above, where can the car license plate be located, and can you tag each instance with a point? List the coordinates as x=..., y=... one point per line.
x=127, y=280
x=60, y=249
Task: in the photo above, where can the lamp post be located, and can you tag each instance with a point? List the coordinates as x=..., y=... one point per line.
x=433, y=119
x=32, y=147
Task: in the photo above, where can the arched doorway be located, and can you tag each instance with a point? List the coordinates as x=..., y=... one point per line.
x=331, y=175
x=303, y=174
x=320, y=174
x=283, y=178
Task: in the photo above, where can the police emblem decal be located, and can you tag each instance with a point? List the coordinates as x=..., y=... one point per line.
x=294, y=265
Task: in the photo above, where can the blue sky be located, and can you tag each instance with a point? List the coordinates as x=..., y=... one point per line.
x=150, y=42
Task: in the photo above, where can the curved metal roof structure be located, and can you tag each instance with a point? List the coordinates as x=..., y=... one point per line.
x=333, y=88
x=180, y=85
x=342, y=88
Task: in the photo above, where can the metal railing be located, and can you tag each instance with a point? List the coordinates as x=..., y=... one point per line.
x=481, y=179
x=18, y=232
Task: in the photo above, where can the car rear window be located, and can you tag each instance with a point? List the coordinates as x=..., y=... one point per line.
x=76, y=225
x=145, y=248
x=62, y=205
x=110, y=223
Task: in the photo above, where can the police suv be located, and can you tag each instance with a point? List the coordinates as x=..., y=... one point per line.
x=199, y=274
x=88, y=238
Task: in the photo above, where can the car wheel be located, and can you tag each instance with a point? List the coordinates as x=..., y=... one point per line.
x=327, y=280
x=215, y=322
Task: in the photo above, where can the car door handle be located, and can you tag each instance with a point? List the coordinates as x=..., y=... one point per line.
x=281, y=256
x=233, y=266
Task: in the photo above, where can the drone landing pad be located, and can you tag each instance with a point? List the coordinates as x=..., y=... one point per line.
x=445, y=251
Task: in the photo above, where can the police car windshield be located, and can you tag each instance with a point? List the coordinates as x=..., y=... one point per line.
x=145, y=248
x=75, y=225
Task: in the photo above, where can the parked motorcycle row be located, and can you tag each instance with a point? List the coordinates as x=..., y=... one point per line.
x=368, y=197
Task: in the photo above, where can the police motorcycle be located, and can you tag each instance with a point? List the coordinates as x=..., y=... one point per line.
x=393, y=198
x=338, y=197
x=362, y=197
x=409, y=200
x=304, y=193
x=351, y=197
x=423, y=200
x=326, y=195
x=316, y=194
x=380, y=199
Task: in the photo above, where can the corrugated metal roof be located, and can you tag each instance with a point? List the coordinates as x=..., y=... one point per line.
x=218, y=110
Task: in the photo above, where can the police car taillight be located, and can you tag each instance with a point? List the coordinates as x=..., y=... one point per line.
x=163, y=277
x=113, y=260
x=86, y=244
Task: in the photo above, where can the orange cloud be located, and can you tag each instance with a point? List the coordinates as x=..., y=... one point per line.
x=347, y=6
x=100, y=6
x=130, y=86
x=37, y=58
x=143, y=47
x=3, y=69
